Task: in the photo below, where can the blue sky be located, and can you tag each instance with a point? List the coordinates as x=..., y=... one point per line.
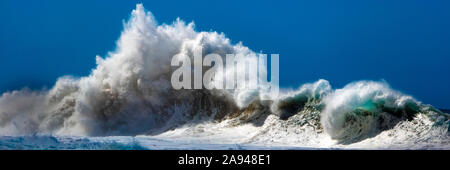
x=406, y=43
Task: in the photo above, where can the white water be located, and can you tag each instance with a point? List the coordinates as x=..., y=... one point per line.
x=129, y=94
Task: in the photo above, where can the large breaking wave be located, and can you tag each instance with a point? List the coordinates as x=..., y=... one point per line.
x=129, y=93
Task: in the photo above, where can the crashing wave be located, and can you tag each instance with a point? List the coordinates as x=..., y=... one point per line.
x=129, y=93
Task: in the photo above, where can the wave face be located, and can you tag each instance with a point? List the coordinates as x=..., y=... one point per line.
x=129, y=93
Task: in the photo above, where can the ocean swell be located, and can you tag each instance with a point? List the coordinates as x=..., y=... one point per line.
x=129, y=93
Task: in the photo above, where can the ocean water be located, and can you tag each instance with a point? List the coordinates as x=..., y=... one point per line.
x=128, y=103
x=119, y=143
x=274, y=134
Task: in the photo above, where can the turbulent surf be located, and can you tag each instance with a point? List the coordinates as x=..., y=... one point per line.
x=129, y=93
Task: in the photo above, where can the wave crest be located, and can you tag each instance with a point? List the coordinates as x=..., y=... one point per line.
x=129, y=93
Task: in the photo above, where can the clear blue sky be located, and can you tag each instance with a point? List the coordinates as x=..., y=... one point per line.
x=406, y=43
